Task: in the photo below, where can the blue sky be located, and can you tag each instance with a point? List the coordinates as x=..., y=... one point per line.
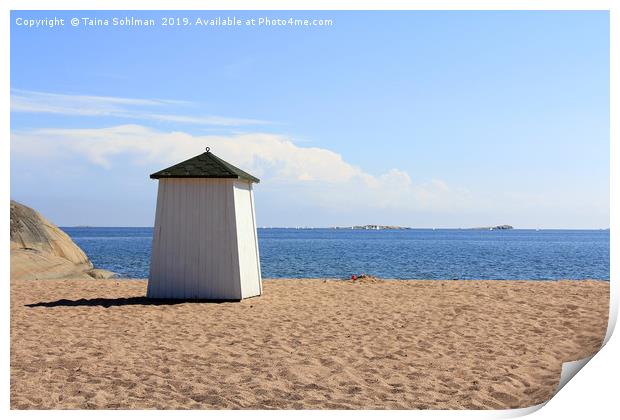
x=425, y=119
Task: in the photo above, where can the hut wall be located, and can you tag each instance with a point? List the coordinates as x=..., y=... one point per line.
x=195, y=252
x=249, y=265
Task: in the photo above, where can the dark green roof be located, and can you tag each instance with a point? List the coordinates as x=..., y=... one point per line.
x=205, y=165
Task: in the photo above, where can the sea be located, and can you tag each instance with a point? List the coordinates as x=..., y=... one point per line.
x=392, y=254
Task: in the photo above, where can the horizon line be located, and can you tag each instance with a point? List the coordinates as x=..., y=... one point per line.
x=351, y=228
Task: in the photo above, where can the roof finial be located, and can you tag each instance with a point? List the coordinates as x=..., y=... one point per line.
x=207, y=149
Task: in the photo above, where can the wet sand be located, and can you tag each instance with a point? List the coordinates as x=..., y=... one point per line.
x=308, y=344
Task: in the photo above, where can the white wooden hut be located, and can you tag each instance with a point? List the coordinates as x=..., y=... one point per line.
x=204, y=239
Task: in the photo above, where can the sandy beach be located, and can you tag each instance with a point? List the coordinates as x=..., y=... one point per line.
x=310, y=344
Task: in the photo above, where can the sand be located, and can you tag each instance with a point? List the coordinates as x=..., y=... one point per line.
x=309, y=344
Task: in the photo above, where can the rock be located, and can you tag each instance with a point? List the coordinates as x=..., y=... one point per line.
x=365, y=278
x=40, y=250
x=98, y=273
x=31, y=264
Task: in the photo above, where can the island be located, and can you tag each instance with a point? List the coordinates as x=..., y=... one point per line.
x=498, y=227
x=372, y=227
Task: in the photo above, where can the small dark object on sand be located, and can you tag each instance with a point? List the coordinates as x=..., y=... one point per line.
x=364, y=278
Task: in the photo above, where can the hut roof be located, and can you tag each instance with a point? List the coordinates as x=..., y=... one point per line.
x=205, y=165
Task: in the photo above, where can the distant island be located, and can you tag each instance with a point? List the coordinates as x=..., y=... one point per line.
x=373, y=227
x=499, y=227
x=388, y=227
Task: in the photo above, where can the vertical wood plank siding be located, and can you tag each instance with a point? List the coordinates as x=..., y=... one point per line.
x=246, y=240
x=260, y=276
x=204, y=240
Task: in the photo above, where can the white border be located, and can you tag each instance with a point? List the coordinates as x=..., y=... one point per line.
x=591, y=393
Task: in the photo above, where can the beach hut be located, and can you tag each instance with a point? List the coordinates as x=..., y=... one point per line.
x=204, y=239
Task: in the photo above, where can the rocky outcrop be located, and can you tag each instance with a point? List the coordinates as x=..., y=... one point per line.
x=40, y=250
x=30, y=264
x=98, y=273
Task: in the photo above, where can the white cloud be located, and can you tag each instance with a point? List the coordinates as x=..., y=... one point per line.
x=106, y=106
x=308, y=174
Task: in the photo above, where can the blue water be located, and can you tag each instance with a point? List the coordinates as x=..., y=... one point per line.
x=403, y=254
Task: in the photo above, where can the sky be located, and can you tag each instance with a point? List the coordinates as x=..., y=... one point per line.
x=418, y=118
